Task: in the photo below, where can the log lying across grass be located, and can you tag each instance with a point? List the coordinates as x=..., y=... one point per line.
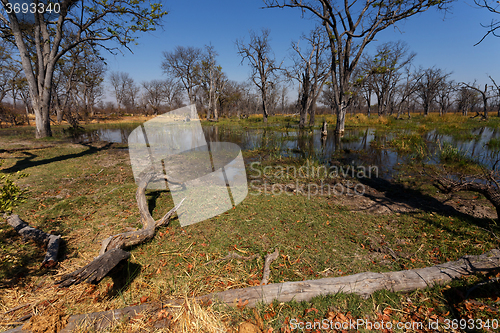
x=112, y=252
x=50, y=241
x=363, y=284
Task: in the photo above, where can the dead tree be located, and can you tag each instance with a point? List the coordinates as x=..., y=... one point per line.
x=112, y=253
x=491, y=190
x=485, y=96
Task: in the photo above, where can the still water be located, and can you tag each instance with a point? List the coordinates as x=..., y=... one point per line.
x=365, y=146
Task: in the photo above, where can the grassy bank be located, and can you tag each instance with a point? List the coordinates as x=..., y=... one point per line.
x=85, y=192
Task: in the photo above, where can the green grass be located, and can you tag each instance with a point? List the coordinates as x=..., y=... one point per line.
x=86, y=193
x=494, y=144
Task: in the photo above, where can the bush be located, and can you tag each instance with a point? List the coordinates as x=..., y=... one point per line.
x=10, y=194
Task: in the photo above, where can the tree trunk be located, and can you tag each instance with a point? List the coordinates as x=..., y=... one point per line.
x=264, y=105
x=341, y=111
x=42, y=120
x=312, y=112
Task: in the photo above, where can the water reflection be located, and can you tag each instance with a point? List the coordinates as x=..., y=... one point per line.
x=363, y=146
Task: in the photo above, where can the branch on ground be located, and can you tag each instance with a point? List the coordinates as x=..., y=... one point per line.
x=267, y=266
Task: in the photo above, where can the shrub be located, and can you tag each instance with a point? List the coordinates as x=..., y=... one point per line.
x=10, y=194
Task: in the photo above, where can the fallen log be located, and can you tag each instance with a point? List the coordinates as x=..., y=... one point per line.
x=50, y=241
x=96, y=270
x=491, y=191
x=363, y=284
x=112, y=252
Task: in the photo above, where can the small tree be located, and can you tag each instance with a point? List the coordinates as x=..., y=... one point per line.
x=385, y=70
x=125, y=89
x=428, y=86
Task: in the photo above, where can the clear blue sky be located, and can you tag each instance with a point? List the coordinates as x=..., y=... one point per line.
x=442, y=40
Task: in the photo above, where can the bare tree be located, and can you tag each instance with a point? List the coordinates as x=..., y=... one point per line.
x=90, y=84
x=125, y=89
x=443, y=97
x=154, y=95
x=172, y=91
x=406, y=89
x=468, y=99
x=263, y=66
x=385, y=71
x=212, y=80
x=183, y=64
x=161, y=92
x=311, y=69
x=492, y=27
x=92, y=22
x=498, y=95
x=351, y=26
x=485, y=95
x=428, y=86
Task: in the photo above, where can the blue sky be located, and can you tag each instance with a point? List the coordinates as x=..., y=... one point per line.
x=442, y=40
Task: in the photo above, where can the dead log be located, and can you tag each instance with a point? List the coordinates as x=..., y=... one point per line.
x=96, y=270
x=50, y=241
x=491, y=192
x=363, y=284
x=111, y=253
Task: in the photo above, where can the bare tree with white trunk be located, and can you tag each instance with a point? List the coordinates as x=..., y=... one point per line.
x=351, y=25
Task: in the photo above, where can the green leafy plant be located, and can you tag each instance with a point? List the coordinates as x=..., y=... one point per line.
x=10, y=194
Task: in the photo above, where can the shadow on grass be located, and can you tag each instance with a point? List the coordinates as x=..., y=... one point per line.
x=398, y=193
x=152, y=198
x=29, y=160
x=473, y=299
x=123, y=275
x=16, y=261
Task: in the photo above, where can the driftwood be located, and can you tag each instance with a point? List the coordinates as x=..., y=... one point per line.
x=490, y=191
x=363, y=284
x=267, y=266
x=50, y=241
x=96, y=270
x=111, y=252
